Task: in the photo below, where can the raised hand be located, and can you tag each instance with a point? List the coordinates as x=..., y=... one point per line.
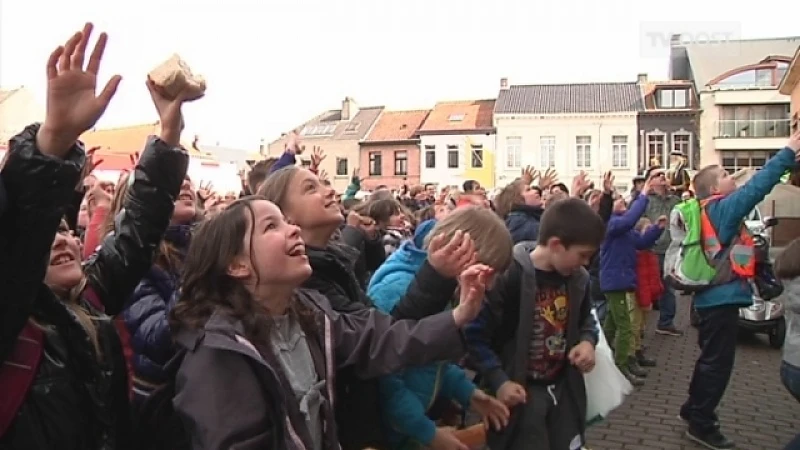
x=452, y=257
x=608, y=182
x=205, y=190
x=317, y=156
x=580, y=183
x=473, y=283
x=323, y=175
x=528, y=175
x=169, y=111
x=73, y=105
x=549, y=178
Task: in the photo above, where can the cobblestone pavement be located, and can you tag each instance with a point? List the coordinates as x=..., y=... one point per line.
x=756, y=412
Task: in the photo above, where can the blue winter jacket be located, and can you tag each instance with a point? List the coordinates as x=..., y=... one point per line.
x=406, y=396
x=523, y=223
x=727, y=215
x=146, y=318
x=618, y=251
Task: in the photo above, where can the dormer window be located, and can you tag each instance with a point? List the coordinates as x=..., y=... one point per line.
x=456, y=117
x=352, y=127
x=673, y=98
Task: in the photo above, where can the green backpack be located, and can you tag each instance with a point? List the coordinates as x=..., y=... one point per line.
x=695, y=259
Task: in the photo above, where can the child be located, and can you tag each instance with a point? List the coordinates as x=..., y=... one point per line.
x=261, y=353
x=535, y=335
x=618, y=278
x=409, y=395
x=718, y=306
x=787, y=269
x=648, y=289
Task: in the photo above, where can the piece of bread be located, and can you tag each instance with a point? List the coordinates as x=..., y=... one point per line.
x=174, y=75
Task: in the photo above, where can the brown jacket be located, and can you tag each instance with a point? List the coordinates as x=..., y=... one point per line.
x=230, y=396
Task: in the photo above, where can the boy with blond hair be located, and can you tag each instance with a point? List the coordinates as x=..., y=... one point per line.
x=535, y=336
x=407, y=397
x=718, y=306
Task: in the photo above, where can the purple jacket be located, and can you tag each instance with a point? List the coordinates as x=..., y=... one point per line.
x=618, y=252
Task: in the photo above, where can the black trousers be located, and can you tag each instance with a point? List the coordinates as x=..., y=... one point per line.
x=549, y=420
x=717, y=332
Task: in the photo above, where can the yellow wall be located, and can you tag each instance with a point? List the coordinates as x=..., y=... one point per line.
x=483, y=175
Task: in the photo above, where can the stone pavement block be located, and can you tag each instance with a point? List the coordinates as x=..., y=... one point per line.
x=756, y=411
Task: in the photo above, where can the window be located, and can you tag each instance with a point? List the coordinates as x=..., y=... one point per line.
x=583, y=151
x=759, y=121
x=673, y=98
x=763, y=76
x=476, y=156
x=456, y=117
x=780, y=71
x=305, y=163
x=375, y=163
x=619, y=151
x=656, y=150
x=682, y=142
x=352, y=128
x=452, y=157
x=430, y=157
x=319, y=129
x=401, y=163
x=547, y=147
x=738, y=160
x=341, y=167
x=513, y=152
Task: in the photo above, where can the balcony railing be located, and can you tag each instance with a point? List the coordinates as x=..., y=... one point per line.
x=765, y=128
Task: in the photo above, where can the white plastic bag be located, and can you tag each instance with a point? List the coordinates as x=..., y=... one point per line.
x=606, y=386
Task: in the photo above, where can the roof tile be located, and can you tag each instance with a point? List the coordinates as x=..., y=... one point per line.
x=463, y=115
x=570, y=98
x=397, y=125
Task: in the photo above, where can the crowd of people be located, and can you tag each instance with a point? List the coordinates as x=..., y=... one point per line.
x=153, y=314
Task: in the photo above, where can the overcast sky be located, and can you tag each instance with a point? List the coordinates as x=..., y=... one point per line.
x=272, y=64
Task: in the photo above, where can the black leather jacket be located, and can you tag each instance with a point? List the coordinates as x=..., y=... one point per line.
x=78, y=401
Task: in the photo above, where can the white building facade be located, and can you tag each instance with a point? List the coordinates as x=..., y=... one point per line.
x=551, y=134
x=451, y=159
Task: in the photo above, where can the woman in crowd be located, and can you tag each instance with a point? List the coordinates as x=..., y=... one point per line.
x=64, y=374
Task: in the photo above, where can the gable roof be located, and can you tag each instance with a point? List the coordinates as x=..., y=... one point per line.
x=459, y=116
x=584, y=98
x=710, y=61
x=355, y=129
x=127, y=140
x=395, y=126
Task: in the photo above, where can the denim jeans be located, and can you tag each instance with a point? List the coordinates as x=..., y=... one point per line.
x=716, y=337
x=666, y=304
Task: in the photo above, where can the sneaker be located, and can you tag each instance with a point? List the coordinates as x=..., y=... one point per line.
x=713, y=439
x=643, y=360
x=669, y=331
x=634, y=368
x=634, y=380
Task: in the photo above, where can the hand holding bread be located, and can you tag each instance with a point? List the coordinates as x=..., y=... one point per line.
x=174, y=78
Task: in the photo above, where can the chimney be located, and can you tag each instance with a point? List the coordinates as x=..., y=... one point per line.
x=641, y=78
x=349, y=109
x=504, y=83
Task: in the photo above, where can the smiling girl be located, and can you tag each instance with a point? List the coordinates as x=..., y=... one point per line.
x=262, y=353
x=311, y=205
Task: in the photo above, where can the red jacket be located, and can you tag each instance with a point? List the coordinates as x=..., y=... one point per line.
x=648, y=278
